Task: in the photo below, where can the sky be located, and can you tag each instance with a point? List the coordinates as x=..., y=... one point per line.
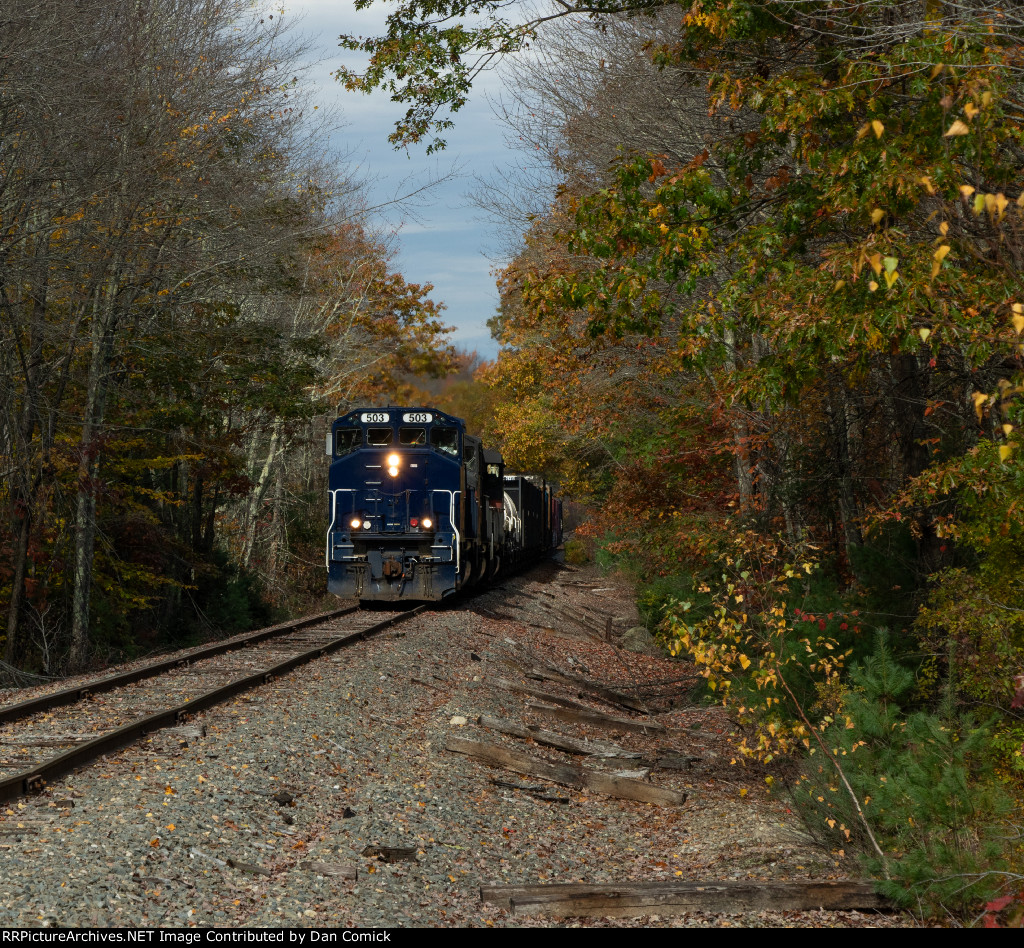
x=441, y=238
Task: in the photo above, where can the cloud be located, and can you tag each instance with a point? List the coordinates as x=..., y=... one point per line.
x=439, y=234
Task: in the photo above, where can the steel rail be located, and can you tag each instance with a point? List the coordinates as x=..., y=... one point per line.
x=65, y=696
x=36, y=777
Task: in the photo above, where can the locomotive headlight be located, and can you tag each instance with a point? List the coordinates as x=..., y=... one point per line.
x=356, y=523
x=393, y=460
x=366, y=524
x=393, y=471
x=427, y=523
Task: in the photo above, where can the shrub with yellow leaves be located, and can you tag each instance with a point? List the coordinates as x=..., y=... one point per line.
x=755, y=656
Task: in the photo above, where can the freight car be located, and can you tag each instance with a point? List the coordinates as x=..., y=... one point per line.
x=419, y=508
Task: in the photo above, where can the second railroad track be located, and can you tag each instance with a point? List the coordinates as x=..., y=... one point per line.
x=66, y=729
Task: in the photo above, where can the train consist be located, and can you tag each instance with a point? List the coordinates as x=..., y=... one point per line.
x=419, y=509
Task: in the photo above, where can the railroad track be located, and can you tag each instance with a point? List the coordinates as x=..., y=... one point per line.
x=61, y=731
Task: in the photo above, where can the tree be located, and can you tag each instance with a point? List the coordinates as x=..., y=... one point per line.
x=186, y=190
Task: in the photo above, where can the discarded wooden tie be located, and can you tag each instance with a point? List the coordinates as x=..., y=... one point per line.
x=624, y=788
x=600, y=692
x=598, y=719
x=391, y=853
x=336, y=870
x=547, y=696
x=559, y=741
x=677, y=898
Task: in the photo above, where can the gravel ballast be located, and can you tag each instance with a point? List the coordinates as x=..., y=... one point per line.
x=261, y=820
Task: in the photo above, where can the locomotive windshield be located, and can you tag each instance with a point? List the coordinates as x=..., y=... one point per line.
x=346, y=440
x=412, y=435
x=446, y=440
x=379, y=437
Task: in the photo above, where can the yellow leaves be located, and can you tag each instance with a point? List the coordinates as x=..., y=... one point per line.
x=839, y=285
x=891, y=273
x=937, y=259
x=744, y=662
x=1005, y=450
x=927, y=183
x=924, y=333
x=944, y=228
x=957, y=128
x=970, y=110
x=876, y=215
x=996, y=205
x=873, y=126
x=979, y=399
x=1018, y=318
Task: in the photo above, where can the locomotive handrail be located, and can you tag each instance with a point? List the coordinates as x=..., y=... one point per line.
x=451, y=518
x=334, y=516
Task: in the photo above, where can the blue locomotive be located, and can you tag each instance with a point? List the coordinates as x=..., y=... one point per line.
x=419, y=509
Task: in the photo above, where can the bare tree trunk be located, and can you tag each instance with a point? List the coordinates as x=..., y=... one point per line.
x=840, y=418
x=741, y=435
x=250, y=517
x=104, y=327
x=26, y=484
x=23, y=528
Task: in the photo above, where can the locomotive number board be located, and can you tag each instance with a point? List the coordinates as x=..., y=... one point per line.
x=384, y=418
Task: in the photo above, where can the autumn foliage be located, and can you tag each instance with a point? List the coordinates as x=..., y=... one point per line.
x=187, y=292
x=779, y=348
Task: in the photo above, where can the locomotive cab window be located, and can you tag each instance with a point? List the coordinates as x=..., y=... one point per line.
x=346, y=440
x=379, y=437
x=470, y=459
x=446, y=440
x=412, y=436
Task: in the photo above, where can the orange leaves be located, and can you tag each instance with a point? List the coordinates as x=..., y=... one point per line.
x=697, y=161
x=777, y=180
